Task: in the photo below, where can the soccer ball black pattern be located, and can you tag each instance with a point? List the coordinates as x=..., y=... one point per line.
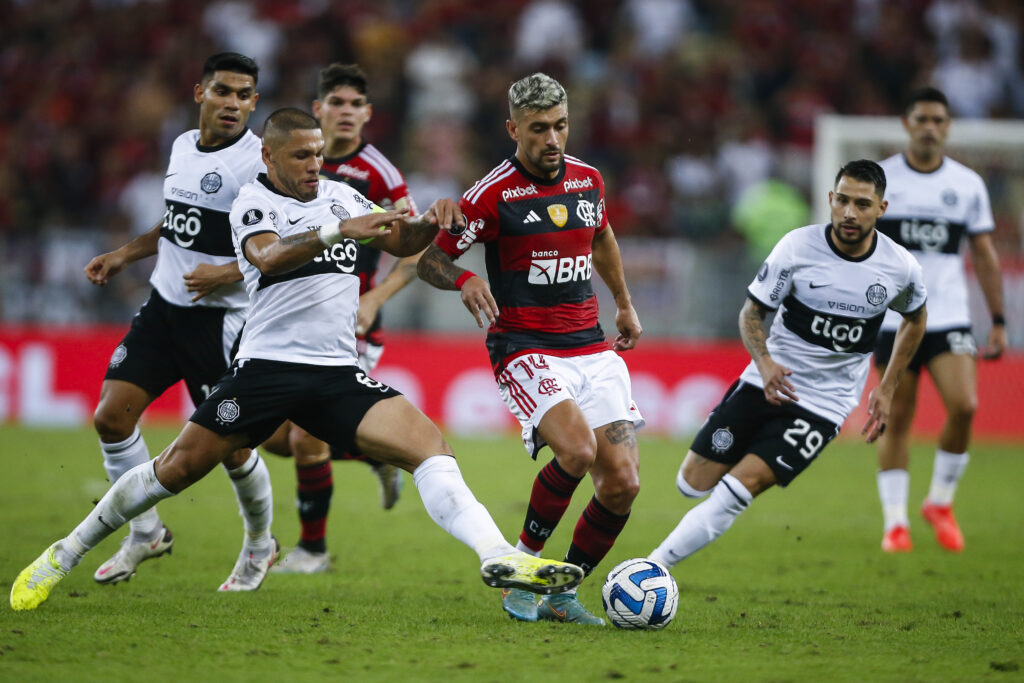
x=640, y=594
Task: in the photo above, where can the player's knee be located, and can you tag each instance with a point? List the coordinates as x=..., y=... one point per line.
x=112, y=426
x=963, y=411
x=577, y=456
x=686, y=488
x=618, y=490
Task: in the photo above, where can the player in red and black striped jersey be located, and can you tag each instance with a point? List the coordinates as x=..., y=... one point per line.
x=342, y=110
x=540, y=215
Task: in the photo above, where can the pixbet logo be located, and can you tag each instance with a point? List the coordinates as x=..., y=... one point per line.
x=185, y=226
x=568, y=269
x=516, y=192
x=928, y=236
x=577, y=184
x=844, y=336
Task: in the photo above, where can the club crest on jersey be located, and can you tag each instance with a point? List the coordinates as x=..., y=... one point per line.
x=559, y=214
x=763, y=272
x=252, y=217
x=228, y=411
x=876, y=294
x=120, y=353
x=722, y=440
x=585, y=212
x=339, y=211
x=949, y=197
x=211, y=182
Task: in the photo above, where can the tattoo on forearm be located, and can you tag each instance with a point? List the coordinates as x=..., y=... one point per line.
x=437, y=269
x=753, y=332
x=621, y=431
x=416, y=235
x=308, y=237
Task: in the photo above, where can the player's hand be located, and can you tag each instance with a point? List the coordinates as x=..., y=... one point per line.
x=997, y=343
x=628, y=324
x=477, y=298
x=777, y=389
x=444, y=213
x=371, y=225
x=879, y=404
x=104, y=267
x=207, y=277
x=368, y=307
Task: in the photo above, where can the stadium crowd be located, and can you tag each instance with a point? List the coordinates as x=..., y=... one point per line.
x=683, y=104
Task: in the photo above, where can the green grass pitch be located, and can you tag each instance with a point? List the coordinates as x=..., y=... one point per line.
x=797, y=590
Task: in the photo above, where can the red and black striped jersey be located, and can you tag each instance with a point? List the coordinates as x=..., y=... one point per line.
x=537, y=235
x=371, y=174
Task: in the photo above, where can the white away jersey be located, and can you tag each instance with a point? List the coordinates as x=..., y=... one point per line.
x=200, y=185
x=309, y=314
x=929, y=214
x=830, y=308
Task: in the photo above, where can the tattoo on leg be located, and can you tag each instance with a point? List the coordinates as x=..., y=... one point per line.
x=621, y=431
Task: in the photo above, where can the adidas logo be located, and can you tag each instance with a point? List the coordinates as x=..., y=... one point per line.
x=532, y=217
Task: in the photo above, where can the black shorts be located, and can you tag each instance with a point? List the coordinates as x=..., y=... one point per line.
x=255, y=396
x=958, y=341
x=167, y=343
x=787, y=437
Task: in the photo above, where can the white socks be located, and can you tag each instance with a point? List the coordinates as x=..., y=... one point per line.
x=454, y=508
x=946, y=473
x=134, y=492
x=120, y=457
x=705, y=522
x=893, y=486
x=255, y=501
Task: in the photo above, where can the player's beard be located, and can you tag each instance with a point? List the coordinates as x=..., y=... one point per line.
x=548, y=165
x=852, y=241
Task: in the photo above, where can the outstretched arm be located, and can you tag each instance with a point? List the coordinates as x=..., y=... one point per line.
x=990, y=277
x=436, y=268
x=275, y=255
x=608, y=263
x=908, y=338
x=106, y=266
x=412, y=234
x=777, y=389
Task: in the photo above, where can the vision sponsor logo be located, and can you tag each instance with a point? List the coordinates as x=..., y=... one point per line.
x=183, y=193
x=472, y=232
x=353, y=172
x=849, y=308
x=185, y=226
x=842, y=336
x=779, y=284
x=519, y=191
x=924, y=235
x=560, y=270
x=578, y=184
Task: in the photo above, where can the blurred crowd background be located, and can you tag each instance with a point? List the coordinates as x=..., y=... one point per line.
x=699, y=113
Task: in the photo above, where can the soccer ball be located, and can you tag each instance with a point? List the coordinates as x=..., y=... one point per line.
x=640, y=594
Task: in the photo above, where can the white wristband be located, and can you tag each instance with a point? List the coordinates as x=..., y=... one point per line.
x=330, y=234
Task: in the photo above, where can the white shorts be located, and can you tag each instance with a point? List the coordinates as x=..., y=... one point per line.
x=598, y=383
x=369, y=355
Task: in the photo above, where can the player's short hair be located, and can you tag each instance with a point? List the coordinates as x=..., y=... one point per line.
x=233, y=62
x=283, y=121
x=865, y=171
x=337, y=75
x=925, y=94
x=535, y=93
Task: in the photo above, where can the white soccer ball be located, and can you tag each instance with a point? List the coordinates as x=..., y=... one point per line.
x=640, y=594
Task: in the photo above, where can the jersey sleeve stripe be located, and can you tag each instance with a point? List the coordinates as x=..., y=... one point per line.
x=392, y=177
x=502, y=171
x=576, y=162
